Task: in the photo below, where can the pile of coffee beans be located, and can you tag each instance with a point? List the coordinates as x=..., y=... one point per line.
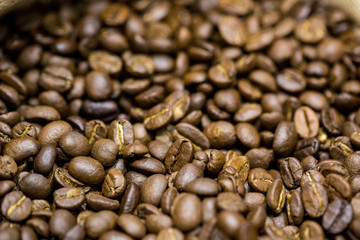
x=179, y=120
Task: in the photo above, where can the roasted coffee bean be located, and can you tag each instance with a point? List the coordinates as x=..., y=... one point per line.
x=294, y=207
x=194, y=134
x=16, y=206
x=153, y=188
x=131, y=225
x=264, y=80
x=315, y=198
x=114, y=183
x=285, y=138
x=135, y=149
x=337, y=216
x=8, y=167
x=87, y=170
x=122, y=133
x=203, y=187
x=35, y=186
x=248, y=135
x=98, y=202
x=158, y=117
x=61, y=222
x=148, y=166
x=221, y=134
x=331, y=120
x=104, y=151
x=337, y=187
x=95, y=130
x=99, y=223
x=105, y=62
x=351, y=163
x=311, y=229
x=64, y=179
x=140, y=65
x=51, y=132
x=180, y=153
x=24, y=129
x=98, y=86
x=306, y=122
x=69, y=198
x=56, y=78
x=74, y=144
x=291, y=171
x=306, y=147
x=260, y=179
x=276, y=195
x=150, y=97
x=22, y=148
x=340, y=148
x=5, y=133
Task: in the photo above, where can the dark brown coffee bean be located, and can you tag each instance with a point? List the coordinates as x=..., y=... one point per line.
x=180, y=153
x=291, y=80
x=122, y=133
x=114, y=183
x=21, y=148
x=315, y=198
x=69, y=198
x=229, y=201
x=337, y=216
x=35, y=186
x=306, y=122
x=332, y=120
x=24, y=129
x=248, y=135
x=8, y=167
x=259, y=40
x=186, y=211
x=61, y=222
x=158, y=117
x=311, y=30
x=285, y=138
x=104, y=151
x=99, y=223
x=95, y=130
x=291, y=171
x=275, y=196
x=221, y=134
x=203, y=187
x=351, y=163
x=226, y=25
x=153, y=188
x=330, y=50
x=248, y=112
x=64, y=179
x=87, y=170
x=104, y=61
x=148, y=166
x=264, y=80
x=140, y=65
x=337, y=186
x=16, y=207
x=222, y=75
x=115, y=14
x=98, y=202
x=130, y=199
x=306, y=147
x=131, y=225
x=51, y=132
x=310, y=229
x=294, y=207
x=98, y=86
x=260, y=179
x=5, y=133
x=74, y=144
x=55, y=78
x=150, y=97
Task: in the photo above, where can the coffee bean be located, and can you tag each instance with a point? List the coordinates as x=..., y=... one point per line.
x=41, y=114
x=104, y=151
x=259, y=40
x=135, y=149
x=87, y=170
x=69, y=140
x=226, y=26
x=194, y=134
x=186, y=211
x=259, y=158
x=291, y=171
x=8, y=167
x=315, y=198
x=115, y=14
x=351, y=163
x=64, y=179
x=332, y=120
x=99, y=223
x=229, y=201
x=69, y=198
x=153, y=188
x=311, y=30
x=294, y=207
x=260, y=179
x=248, y=135
x=35, y=186
x=221, y=134
x=306, y=122
x=98, y=202
x=98, y=86
x=203, y=187
x=22, y=148
x=337, y=187
x=24, y=129
x=310, y=229
x=61, y=222
x=140, y=65
x=105, y=62
x=264, y=80
x=114, y=183
x=51, y=132
x=275, y=196
x=148, y=166
x=55, y=78
x=95, y=130
x=158, y=117
x=16, y=206
x=130, y=199
x=180, y=153
x=285, y=138
x=131, y=225
x=337, y=217
x=222, y=75
x=291, y=80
